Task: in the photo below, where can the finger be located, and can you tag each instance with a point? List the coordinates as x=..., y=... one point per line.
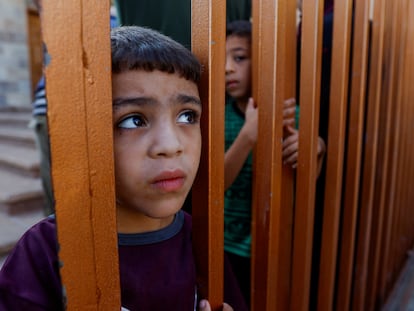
x=321, y=147
x=289, y=122
x=289, y=151
x=250, y=105
x=291, y=130
x=227, y=307
x=290, y=145
x=251, y=102
x=289, y=140
x=292, y=159
x=288, y=111
x=204, y=305
x=290, y=102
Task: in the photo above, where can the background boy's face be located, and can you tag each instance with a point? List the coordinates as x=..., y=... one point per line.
x=157, y=145
x=238, y=67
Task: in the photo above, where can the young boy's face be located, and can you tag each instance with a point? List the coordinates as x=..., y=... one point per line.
x=238, y=67
x=157, y=145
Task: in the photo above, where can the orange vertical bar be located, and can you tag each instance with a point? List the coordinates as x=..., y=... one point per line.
x=382, y=182
x=208, y=44
x=268, y=90
x=409, y=97
x=355, y=137
x=368, y=172
x=373, y=130
x=403, y=232
x=408, y=169
x=312, y=20
x=397, y=148
x=79, y=97
x=335, y=151
x=289, y=33
x=392, y=103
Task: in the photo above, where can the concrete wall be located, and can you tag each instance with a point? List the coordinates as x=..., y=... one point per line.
x=15, y=89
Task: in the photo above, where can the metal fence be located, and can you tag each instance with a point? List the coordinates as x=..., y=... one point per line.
x=342, y=254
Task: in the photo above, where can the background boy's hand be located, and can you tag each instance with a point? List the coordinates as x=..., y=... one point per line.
x=321, y=147
x=290, y=148
x=289, y=112
x=321, y=154
x=250, y=123
x=205, y=306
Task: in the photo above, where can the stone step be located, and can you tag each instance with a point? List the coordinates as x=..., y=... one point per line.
x=12, y=228
x=20, y=159
x=15, y=119
x=18, y=108
x=20, y=194
x=17, y=136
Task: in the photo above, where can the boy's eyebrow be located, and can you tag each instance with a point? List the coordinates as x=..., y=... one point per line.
x=118, y=102
x=237, y=49
x=181, y=98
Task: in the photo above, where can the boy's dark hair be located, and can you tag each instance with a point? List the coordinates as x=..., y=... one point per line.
x=239, y=28
x=135, y=47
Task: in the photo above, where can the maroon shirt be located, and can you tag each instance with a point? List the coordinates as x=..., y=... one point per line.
x=157, y=270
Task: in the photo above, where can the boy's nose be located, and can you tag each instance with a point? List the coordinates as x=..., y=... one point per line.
x=229, y=67
x=166, y=142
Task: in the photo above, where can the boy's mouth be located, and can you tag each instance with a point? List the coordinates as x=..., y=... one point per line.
x=169, y=181
x=231, y=84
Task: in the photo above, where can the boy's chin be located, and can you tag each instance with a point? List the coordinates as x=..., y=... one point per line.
x=167, y=208
x=157, y=209
x=146, y=218
x=238, y=96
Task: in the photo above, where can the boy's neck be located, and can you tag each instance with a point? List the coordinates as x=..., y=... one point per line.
x=139, y=223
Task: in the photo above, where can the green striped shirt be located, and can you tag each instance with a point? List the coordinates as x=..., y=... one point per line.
x=238, y=198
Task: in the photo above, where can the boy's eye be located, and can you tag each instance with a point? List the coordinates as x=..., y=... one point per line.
x=188, y=116
x=133, y=121
x=239, y=59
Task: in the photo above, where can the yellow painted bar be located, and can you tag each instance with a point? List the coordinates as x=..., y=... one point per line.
x=288, y=55
x=381, y=181
x=208, y=44
x=368, y=171
x=399, y=150
x=355, y=138
x=341, y=46
x=268, y=91
x=311, y=61
x=398, y=146
x=80, y=120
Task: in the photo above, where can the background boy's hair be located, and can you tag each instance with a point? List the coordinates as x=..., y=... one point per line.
x=239, y=28
x=135, y=47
